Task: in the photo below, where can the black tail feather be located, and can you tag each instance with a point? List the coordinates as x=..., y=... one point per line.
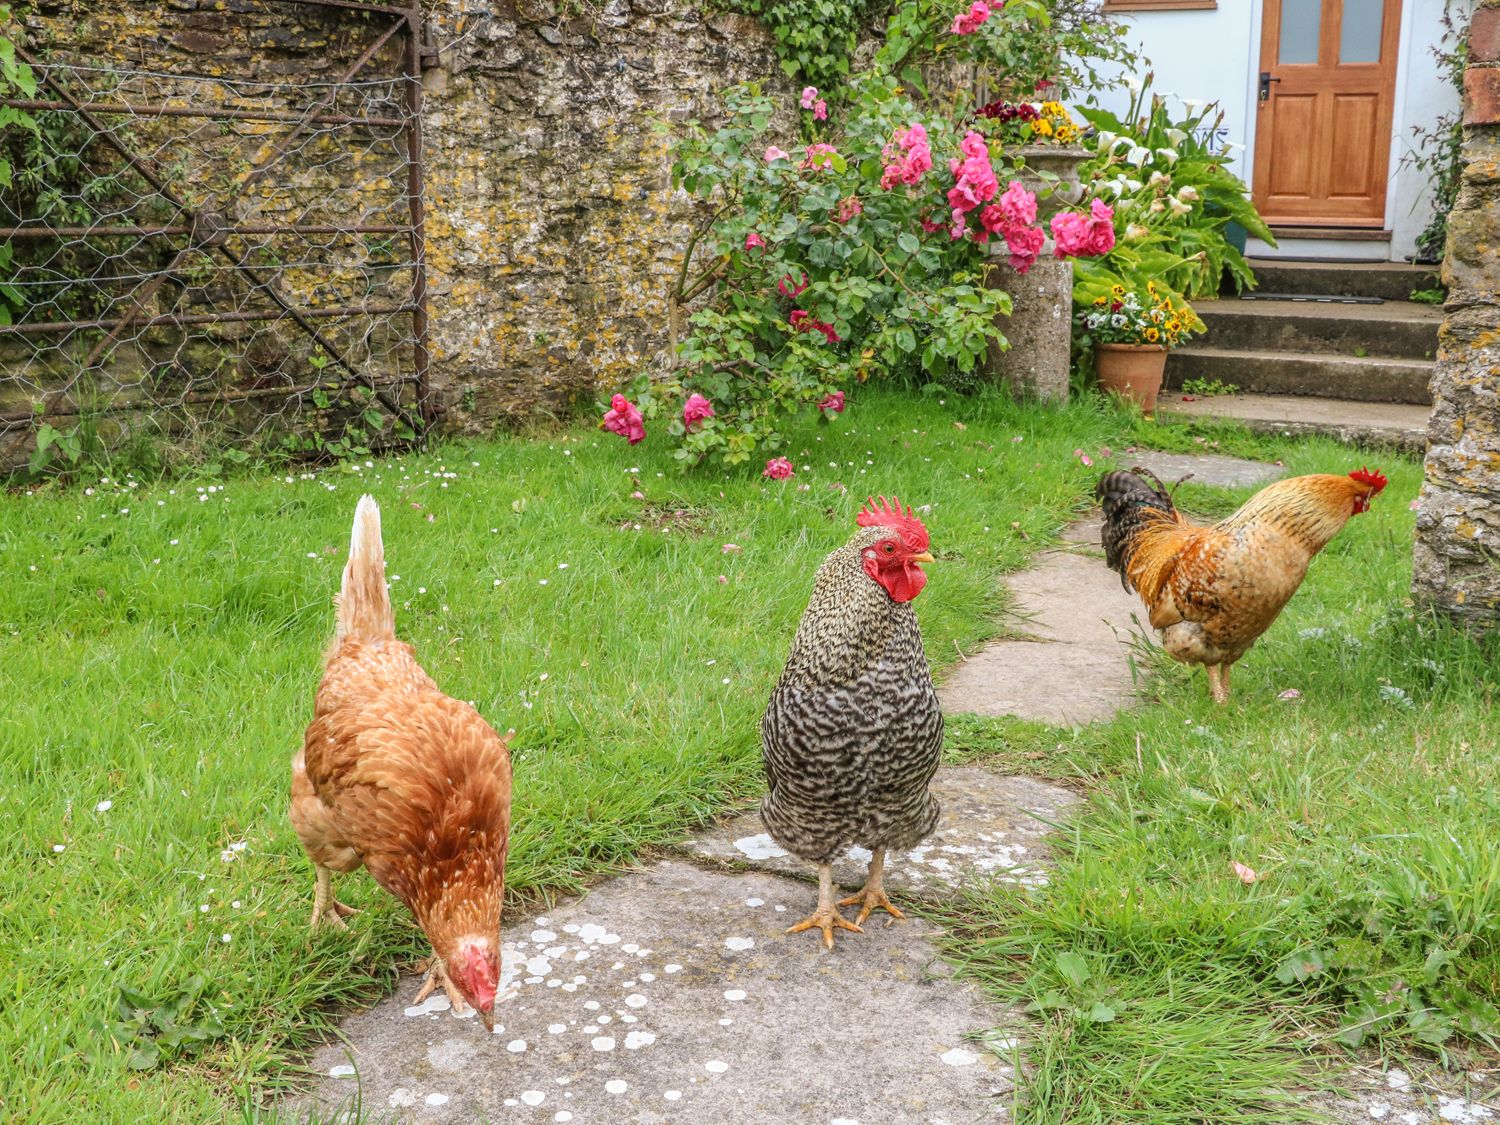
x=1126, y=498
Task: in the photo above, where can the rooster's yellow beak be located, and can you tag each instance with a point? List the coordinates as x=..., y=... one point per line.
x=924, y=557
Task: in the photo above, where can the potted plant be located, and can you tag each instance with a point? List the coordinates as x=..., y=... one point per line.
x=1132, y=330
x=1041, y=137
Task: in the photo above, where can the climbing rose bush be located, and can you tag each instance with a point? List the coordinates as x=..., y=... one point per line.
x=826, y=264
x=854, y=244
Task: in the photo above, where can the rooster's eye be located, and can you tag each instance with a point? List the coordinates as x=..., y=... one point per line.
x=890, y=548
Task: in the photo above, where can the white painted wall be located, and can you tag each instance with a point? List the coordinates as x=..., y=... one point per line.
x=1214, y=55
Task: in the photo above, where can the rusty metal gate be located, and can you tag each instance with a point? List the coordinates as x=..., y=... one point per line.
x=220, y=263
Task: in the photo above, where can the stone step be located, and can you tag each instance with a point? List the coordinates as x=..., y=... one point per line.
x=1390, y=281
x=1360, y=379
x=1394, y=329
x=1401, y=425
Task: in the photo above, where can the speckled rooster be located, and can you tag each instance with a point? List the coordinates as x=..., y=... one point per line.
x=853, y=732
x=1212, y=591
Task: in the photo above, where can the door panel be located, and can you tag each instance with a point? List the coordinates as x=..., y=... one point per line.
x=1323, y=126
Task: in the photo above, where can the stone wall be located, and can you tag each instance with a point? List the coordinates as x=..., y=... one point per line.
x=553, y=231
x=1458, y=521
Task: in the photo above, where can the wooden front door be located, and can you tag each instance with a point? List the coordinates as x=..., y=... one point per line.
x=1323, y=123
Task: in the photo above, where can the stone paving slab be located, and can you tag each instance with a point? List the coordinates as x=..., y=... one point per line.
x=1074, y=668
x=672, y=995
x=1412, y=1093
x=990, y=826
x=1357, y=423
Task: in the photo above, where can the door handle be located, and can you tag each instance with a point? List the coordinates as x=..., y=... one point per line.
x=1265, y=85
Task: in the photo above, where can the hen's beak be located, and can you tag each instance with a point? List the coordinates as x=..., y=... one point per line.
x=489, y=1019
x=924, y=557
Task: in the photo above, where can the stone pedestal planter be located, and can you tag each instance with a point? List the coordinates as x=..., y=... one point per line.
x=1039, y=327
x=1132, y=370
x=1051, y=172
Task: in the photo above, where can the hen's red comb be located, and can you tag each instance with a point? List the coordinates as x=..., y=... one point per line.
x=889, y=514
x=1375, y=479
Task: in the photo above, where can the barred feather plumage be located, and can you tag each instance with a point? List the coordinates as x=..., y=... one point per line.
x=853, y=732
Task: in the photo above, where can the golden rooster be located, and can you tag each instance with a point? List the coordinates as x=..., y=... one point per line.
x=1212, y=591
x=396, y=776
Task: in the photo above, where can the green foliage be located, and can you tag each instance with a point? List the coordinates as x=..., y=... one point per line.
x=1429, y=296
x=148, y=1031
x=893, y=296
x=1208, y=388
x=815, y=39
x=16, y=81
x=1023, y=45
x=1173, y=195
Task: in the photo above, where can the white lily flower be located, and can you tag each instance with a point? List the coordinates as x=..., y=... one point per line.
x=1192, y=104
x=1160, y=179
x=1107, y=142
x=1135, y=231
x=1179, y=207
x=1176, y=136
x=1133, y=185
x=1167, y=154
x=1139, y=156
x=1189, y=194
x=1132, y=84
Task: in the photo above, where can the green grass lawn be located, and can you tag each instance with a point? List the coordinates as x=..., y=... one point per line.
x=1368, y=807
x=159, y=647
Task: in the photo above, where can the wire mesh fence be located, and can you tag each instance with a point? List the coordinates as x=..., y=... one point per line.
x=214, y=263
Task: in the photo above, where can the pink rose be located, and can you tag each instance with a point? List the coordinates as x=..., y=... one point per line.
x=820, y=110
x=907, y=158
x=967, y=23
x=976, y=179
x=819, y=156
x=624, y=419
x=1077, y=237
x=834, y=402
x=789, y=288
x=779, y=468
x=1018, y=205
x=808, y=94
x=754, y=241
x=773, y=154
x=798, y=319
x=848, y=208
x=695, y=410
x=1101, y=228
x=1024, y=243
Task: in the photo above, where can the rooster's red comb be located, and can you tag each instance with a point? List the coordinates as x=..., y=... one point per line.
x=883, y=513
x=1374, y=478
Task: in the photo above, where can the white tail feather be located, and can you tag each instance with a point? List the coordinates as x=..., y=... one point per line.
x=364, y=603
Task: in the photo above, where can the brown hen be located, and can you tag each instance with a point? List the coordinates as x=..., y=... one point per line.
x=1212, y=591
x=396, y=776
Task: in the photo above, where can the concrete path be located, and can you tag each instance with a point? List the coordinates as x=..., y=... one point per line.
x=673, y=995
x=1074, y=666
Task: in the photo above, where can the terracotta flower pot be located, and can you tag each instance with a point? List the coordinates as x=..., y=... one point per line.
x=1132, y=370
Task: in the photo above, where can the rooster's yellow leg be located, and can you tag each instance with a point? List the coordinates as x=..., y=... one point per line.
x=437, y=974
x=872, y=896
x=826, y=917
x=327, y=910
x=1218, y=682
